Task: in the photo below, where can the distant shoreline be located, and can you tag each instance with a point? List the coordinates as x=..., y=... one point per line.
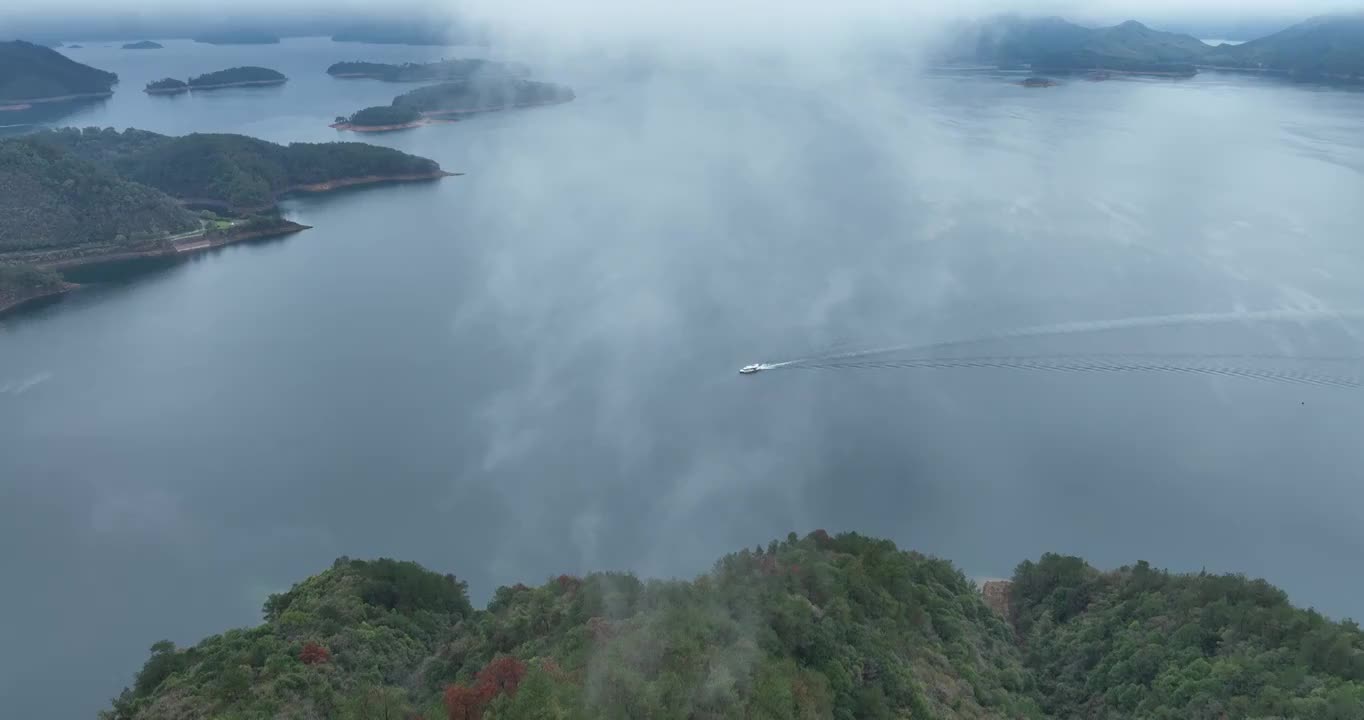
x=419, y=122
x=15, y=105
x=243, y=83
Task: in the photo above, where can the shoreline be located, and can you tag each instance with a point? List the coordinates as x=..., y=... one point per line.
x=61, y=259
x=243, y=83
x=16, y=105
x=364, y=180
x=419, y=122
x=180, y=248
x=15, y=301
x=321, y=187
x=166, y=91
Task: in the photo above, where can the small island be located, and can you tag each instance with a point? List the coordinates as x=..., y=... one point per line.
x=444, y=70
x=143, y=45
x=383, y=118
x=238, y=37
x=166, y=86
x=1038, y=82
x=32, y=74
x=247, y=76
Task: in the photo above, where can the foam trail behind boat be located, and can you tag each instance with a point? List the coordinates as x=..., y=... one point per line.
x=1075, y=328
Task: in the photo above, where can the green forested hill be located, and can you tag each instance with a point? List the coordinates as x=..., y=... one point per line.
x=50, y=199
x=234, y=171
x=1142, y=643
x=30, y=72
x=817, y=627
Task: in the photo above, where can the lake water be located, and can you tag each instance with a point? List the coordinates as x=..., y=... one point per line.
x=530, y=369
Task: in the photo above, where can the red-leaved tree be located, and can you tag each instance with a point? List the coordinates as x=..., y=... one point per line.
x=313, y=654
x=502, y=675
x=464, y=703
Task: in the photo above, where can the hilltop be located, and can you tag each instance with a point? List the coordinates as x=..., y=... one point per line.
x=33, y=73
x=817, y=627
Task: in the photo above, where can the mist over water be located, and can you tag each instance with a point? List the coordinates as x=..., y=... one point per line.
x=531, y=369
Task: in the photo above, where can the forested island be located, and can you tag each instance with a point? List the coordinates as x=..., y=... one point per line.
x=845, y=627
x=237, y=77
x=143, y=45
x=76, y=197
x=444, y=70
x=166, y=86
x=32, y=73
x=481, y=96
x=439, y=103
x=1330, y=46
x=238, y=37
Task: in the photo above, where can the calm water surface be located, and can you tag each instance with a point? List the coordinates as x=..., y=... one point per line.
x=530, y=369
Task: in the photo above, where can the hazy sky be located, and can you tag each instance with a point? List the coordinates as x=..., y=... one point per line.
x=615, y=16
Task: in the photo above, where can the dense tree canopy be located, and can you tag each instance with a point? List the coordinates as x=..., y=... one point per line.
x=233, y=171
x=381, y=115
x=1144, y=643
x=245, y=74
x=819, y=627
x=167, y=85
x=29, y=72
x=143, y=45
x=50, y=198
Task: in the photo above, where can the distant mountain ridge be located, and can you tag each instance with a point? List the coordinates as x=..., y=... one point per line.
x=1330, y=45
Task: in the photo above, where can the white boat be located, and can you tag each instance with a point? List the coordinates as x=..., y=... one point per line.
x=750, y=369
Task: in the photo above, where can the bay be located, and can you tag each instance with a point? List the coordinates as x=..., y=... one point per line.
x=530, y=369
